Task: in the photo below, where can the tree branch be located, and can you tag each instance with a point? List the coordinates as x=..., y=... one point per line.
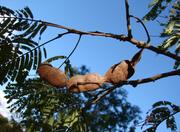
x=57, y=37
x=147, y=33
x=128, y=19
x=152, y=48
x=71, y=52
x=121, y=37
x=134, y=83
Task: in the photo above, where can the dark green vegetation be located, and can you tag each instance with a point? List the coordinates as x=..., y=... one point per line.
x=9, y=126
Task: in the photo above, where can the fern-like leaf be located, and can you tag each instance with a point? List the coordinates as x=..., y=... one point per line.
x=35, y=96
x=161, y=111
x=17, y=35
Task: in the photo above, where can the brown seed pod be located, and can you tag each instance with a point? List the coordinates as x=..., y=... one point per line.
x=136, y=58
x=88, y=82
x=123, y=70
x=52, y=75
x=119, y=72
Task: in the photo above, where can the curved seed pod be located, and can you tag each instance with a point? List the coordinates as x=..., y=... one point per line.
x=88, y=82
x=136, y=58
x=52, y=75
x=119, y=72
x=123, y=70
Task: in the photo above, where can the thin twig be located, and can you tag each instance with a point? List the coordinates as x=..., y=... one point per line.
x=114, y=36
x=153, y=78
x=118, y=37
x=128, y=19
x=152, y=48
x=103, y=95
x=147, y=33
x=71, y=52
x=57, y=37
x=134, y=83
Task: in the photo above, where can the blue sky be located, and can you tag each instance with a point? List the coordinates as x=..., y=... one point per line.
x=99, y=53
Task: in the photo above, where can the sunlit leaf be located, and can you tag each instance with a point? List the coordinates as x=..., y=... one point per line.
x=71, y=118
x=169, y=28
x=154, y=2
x=45, y=53
x=44, y=27
x=161, y=111
x=29, y=30
x=6, y=11
x=51, y=120
x=49, y=60
x=28, y=11
x=171, y=123
x=171, y=41
x=36, y=31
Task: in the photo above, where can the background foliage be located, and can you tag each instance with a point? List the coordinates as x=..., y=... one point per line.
x=170, y=23
x=9, y=126
x=19, y=53
x=43, y=107
x=164, y=110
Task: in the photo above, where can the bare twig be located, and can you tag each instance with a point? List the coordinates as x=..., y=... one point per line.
x=114, y=36
x=134, y=83
x=128, y=19
x=118, y=37
x=71, y=52
x=103, y=95
x=152, y=48
x=57, y=37
x=122, y=38
x=147, y=33
x=153, y=78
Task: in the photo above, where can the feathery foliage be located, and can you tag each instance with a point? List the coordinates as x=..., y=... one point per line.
x=9, y=125
x=164, y=110
x=161, y=111
x=17, y=37
x=171, y=31
x=43, y=107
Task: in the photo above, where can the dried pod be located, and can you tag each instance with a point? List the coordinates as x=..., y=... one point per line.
x=88, y=82
x=123, y=70
x=136, y=58
x=119, y=72
x=52, y=75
